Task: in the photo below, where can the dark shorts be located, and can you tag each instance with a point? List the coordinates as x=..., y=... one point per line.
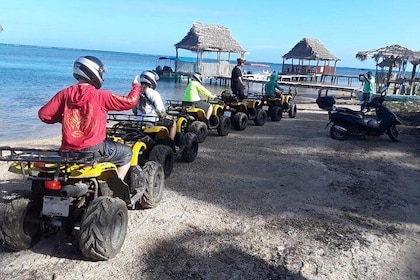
x=111, y=151
x=199, y=104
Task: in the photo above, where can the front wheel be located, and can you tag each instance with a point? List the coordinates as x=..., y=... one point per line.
x=19, y=224
x=165, y=156
x=337, y=133
x=292, y=110
x=224, y=126
x=189, y=153
x=200, y=129
x=103, y=228
x=393, y=133
x=154, y=178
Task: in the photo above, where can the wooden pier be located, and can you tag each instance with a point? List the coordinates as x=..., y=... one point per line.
x=311, y=81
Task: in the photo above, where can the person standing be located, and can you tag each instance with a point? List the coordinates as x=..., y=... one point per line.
x=368, y=81
x=236, y=82
x=82, y=111
x=192, y=94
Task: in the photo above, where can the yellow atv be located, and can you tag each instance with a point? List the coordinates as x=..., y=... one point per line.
x=276, y=106
x=154, y=133
x=75, y=192
x=242, y=111
x=196, y=118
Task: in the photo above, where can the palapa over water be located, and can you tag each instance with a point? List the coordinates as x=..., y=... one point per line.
x=209, y=38
x=394, y=56
x=311, y=49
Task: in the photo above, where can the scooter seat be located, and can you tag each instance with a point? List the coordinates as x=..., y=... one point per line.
x=349, y=111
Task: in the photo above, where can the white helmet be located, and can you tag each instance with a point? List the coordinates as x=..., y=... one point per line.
x=150, y=78
x=197, y=76
x=90, y=69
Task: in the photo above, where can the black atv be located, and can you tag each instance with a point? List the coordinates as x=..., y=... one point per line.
x=153, y=138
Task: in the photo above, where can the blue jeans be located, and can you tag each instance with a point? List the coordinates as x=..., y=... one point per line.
x=365, y=100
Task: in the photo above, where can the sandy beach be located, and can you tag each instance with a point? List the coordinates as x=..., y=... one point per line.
x=280, y=201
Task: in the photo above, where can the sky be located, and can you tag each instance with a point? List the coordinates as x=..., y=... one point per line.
x=267, y=30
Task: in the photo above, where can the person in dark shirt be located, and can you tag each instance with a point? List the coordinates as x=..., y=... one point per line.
x=236, y=82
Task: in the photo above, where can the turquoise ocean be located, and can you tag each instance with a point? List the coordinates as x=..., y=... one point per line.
x=31, y=75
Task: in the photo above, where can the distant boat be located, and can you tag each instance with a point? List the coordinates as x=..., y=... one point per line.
x=165, y=68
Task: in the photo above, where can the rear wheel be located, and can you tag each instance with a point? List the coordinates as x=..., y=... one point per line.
x=224, y=126
x=337, y=133
x=155, y=183
x=189, y=153
x=165, y=156
x=393, y=133
x=200, y=129
x=240, y=121
x=261, y=117
x=276, y=113
x=20, y=225
x=103, y=228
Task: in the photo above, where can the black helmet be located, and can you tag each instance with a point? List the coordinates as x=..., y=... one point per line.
x=197, y=76
x=90, y=69
x=150, y=78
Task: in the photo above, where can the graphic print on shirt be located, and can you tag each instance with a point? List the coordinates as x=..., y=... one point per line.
x=79, y=120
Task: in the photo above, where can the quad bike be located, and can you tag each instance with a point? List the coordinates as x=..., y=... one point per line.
x=76, y=193
x=196, y=118
x=347, y=122
x=276, y=106
x=242, y=111
x=159, y=147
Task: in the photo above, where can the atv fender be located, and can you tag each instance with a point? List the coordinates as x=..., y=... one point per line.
x=217, y=110
x=161, y=131
x=287, y=98
x=137, y=149
x=179, y=123
x=93, y=171
x=197, y=112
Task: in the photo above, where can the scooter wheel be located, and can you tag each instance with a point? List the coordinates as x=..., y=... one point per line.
x=337, y=133
x=393, y=133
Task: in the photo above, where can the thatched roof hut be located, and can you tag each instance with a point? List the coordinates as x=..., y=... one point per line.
x=209, y=38
x=309, y=49
x=393, y=56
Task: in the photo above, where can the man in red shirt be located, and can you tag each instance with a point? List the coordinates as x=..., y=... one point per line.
x=82, y=111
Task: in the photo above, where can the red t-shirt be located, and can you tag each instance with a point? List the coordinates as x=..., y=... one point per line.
x=82, y=110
